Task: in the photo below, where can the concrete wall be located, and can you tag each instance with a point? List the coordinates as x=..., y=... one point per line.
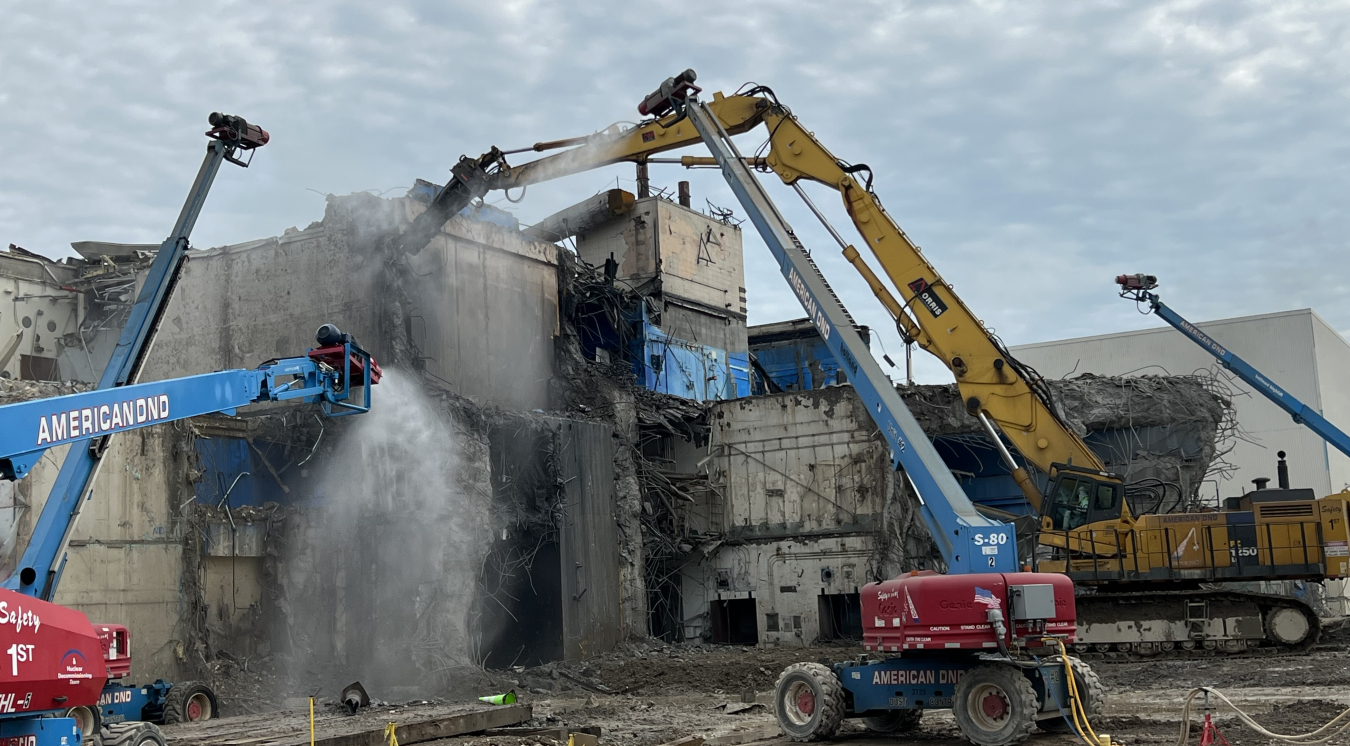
x=796, y=463
x=238, y=306
x=785, y=579
x=1288, y=347
x=486, y=313
x=35, y=310
x=699, y=260
x=588, y=539
x=482, y=314
x=801, y=484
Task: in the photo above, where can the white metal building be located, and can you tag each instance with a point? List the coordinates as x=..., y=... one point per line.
x=1296, y=349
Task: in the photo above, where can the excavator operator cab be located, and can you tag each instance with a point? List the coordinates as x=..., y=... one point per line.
x=1080, y=497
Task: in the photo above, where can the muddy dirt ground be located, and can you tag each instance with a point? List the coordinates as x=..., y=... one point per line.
x=658, y=694
x=647, y=694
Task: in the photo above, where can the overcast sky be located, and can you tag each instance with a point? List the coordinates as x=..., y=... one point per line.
x=1034, y=149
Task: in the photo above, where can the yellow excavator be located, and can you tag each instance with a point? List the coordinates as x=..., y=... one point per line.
x=1148, y=581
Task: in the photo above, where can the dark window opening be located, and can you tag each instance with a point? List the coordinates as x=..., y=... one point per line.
x=520, y=585
x=36, y=368
x=526, y=616
x=840, y=616
x=734, y=622
x=664, y=607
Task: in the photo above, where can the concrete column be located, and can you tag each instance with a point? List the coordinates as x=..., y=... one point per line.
x=644, y=186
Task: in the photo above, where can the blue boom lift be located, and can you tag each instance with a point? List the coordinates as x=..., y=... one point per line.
x=1139, y=288
x=328, y=376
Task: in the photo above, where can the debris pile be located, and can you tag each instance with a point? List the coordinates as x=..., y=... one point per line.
x=13, y=390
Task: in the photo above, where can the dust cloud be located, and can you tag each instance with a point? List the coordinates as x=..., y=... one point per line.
x=378, y=579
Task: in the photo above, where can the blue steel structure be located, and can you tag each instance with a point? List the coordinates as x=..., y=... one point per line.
x=671, y=365
x=796, y=359
x=1138, y=287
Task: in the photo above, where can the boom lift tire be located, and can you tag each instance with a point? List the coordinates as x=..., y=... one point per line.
x=995, y=705
x=809, y=702
x=895, y=721
x=133, y=733
x=1090, y=693
x=88, y=720
x=190, y=702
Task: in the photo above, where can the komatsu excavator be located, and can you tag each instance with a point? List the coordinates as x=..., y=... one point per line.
x=1141, y=592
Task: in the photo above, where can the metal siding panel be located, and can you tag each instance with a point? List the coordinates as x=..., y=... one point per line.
x=1332, y=356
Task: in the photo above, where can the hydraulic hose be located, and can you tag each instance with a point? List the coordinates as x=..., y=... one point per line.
x=1338, y=725
x=1077, y=709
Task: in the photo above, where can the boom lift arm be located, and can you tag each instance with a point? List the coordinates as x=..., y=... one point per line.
x=1138, y=288
x=231, y=137
x=325, y=376
x=969, y=542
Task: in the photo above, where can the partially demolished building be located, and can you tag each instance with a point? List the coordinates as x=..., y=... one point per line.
x=574, y=444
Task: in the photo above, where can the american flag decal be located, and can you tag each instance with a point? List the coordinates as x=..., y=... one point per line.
x=986, y=597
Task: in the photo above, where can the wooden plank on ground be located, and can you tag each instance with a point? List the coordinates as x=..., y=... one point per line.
x=434, y=728
x=415, y=724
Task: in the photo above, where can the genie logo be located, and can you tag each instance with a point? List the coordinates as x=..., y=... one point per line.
x=72, y=667
x=955, y=605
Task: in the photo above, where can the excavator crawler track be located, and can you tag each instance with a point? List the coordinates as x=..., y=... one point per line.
x=1159, y=625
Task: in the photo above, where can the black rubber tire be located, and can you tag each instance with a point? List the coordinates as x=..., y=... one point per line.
x=895, y=721
x=178, y=703
x=1090, y=693
x=1019, y=702
x=826, y=695
x=133, y=733
x=89, y=727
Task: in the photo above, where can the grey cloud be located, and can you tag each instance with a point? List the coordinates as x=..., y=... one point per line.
x=1034, y=148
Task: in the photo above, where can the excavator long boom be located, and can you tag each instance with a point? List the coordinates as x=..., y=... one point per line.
x=991, y=381
x=1004, y=395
